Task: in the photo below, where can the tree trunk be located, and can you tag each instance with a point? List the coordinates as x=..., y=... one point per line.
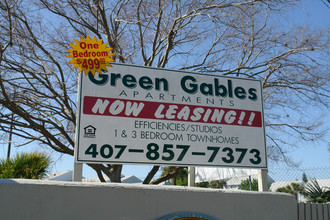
x=115, y=175
x=151, y=174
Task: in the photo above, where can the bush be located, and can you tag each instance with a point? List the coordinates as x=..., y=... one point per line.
x=293, y=188
x=245, y=185
x=315, y=193
x=25, y=165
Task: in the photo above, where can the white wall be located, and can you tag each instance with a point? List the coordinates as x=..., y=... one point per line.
x=35, y=199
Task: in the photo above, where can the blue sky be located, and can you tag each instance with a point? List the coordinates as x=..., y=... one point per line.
x=313, y=13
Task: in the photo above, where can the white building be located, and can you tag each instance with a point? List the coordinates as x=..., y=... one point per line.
x=66, y=175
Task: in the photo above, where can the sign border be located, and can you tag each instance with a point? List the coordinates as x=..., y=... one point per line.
x=79, y=112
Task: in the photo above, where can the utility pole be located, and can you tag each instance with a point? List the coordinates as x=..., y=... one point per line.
x=10, y=136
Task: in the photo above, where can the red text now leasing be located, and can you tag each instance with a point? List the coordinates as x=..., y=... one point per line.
x=170, y=111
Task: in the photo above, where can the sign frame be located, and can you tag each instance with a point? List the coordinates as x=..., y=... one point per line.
x=81, y=97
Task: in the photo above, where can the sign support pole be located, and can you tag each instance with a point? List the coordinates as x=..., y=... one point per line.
x=191, y=176
x=77, y=172
x=263, y=180
x=77, y=167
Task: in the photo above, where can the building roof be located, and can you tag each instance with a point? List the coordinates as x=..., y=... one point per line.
x=322, y=182
x=130, y=179
x=64, y=175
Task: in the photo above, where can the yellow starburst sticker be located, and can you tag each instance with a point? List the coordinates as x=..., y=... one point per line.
x=90, y=55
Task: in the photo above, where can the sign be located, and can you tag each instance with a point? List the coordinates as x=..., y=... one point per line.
x=134, y=114
x=90, y=55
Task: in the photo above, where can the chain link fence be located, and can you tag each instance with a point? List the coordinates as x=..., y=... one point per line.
x=299, y=180
x=296, y=174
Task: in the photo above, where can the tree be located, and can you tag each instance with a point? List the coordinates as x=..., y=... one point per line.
x=245, y=185
x=235, y=38
x=293, y=188
x=311, y=190
x=215, y=184
x=304, y=178
x=326, y=3
x=203, y=184
x=25, y=165
x=218, y=184
x=180, y=178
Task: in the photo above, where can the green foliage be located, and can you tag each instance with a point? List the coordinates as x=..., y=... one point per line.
x=203, y=184
x=218, y=184
x=293, y=188
x=25, y=165
x=304, y=177
x=215, y=184
x=312, y=191
x=245, y=185
x=181, y=178
x=315, y=193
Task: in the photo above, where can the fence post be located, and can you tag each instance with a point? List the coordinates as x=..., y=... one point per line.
x=263, y=180
x=314, y=210
x=308, y=211
x=319, y=209
x=301, y=211
x=326, y=211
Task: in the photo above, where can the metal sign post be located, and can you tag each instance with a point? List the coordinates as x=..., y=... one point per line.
x=77, y=167
x=263, y=180
x=191, y=176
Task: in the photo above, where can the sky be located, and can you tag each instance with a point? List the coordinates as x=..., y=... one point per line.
x=313, y=13
x=310, y=155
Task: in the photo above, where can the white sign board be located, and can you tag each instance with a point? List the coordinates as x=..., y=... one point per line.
x=142, y=115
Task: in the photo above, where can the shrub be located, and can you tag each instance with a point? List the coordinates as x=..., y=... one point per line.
x=25, y=165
